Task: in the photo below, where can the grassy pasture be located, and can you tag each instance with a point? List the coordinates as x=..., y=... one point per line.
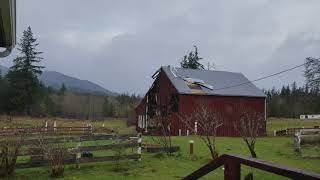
x=158, y=166
x=283, y=123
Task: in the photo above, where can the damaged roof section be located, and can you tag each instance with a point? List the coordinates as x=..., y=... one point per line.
x=206, y=82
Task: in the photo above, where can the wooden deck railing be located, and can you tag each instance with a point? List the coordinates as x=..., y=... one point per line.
x=232, y=168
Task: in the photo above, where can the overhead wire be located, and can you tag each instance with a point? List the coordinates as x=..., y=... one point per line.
x=261, y=78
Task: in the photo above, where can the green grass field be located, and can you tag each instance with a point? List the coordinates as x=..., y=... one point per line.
x=159, y=166
x=283, y=123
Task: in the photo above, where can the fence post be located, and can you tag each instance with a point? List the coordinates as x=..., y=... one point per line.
x=139, y=146
x=191, y=147
x=196, y=127
x=188, y=132
x=78, y=155
x=179, y=132
x=232, y=170
x=297, y=141
x=54, y=126
x=274, y=133
x=46, y=127
x=90, y=125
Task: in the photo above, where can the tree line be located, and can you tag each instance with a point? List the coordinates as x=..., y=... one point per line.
x=291, y=101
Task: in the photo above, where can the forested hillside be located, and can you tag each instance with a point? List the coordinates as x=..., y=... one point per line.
x=90, y=106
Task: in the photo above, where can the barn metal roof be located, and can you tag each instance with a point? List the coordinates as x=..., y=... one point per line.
x=211, y=82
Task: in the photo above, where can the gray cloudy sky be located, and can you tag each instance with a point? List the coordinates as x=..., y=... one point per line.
x=119, y=44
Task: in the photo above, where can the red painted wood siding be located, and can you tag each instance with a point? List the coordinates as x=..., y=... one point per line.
x=227, y=106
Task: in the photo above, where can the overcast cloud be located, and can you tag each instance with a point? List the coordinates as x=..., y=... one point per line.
x=120, y=44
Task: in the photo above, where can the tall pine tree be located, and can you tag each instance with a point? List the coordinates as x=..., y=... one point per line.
x=192, y=61
x=23, y=75
x=62, y=90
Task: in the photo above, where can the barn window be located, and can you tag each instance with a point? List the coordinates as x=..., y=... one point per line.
x=174, y=103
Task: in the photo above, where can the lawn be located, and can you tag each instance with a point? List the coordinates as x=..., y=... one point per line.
x=159, y=166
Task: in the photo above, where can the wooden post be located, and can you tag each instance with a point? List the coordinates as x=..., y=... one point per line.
x=232, y=170
x=297, y=141
x=188, y=132
x=46, y=127
x=103, y=125
x=78, y=155
x=196, y=127
x=90, y=126
x=274, y=133
x=139, y=146
x=179, y=132
x=55, y=126
x=191, y=147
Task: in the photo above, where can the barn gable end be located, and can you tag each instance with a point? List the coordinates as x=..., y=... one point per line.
x=159, y=94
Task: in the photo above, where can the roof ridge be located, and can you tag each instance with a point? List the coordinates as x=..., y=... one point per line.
x=202, y=70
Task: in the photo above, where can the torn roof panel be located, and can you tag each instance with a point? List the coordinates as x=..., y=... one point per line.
x=211, y=81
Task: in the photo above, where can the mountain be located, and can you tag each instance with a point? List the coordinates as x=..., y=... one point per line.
x=55, y=80
x=3, y=70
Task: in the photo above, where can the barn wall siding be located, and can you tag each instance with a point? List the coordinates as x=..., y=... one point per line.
x=227, y=106
x=140, y=110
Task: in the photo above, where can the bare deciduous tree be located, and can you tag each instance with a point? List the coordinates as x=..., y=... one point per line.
x=119, y=151
x=250, y=122
x=162, y=121
x=55, y=154
x=208, y=120
x=10, y=147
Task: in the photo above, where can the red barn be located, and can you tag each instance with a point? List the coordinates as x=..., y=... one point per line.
x=180, y=90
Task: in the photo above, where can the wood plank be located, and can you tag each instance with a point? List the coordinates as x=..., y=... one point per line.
x=293, y=173
x=82, y=160
x=73, y=139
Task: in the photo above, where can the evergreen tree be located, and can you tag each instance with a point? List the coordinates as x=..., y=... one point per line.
x=108, y=108
x=192, y=61
x=62, y=89
x=23, y=75
x=294, y=88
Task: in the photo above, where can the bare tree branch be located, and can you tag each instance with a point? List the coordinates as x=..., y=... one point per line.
x=250, y=122
x=208, y=120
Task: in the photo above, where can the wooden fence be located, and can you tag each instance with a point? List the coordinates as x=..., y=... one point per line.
x=133, y=141
x=232, y=168
x=291, y=131
x=306, y=136
x=66, y=130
